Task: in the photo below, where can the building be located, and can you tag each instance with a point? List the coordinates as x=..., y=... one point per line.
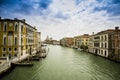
x=114, y=52
x=100, y=43
x=63, y=42
x=48, y=40
x=55, y=42
x=75, y=42
x=39, y=41
x=18, y=38
x=107, y=43
x=90, y=47
x=82, y=40
x=67, y=41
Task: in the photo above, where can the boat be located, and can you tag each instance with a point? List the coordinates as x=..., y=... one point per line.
x=79, y=49
x=23, y=64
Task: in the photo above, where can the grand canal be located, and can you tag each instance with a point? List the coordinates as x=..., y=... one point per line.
x=64, y=63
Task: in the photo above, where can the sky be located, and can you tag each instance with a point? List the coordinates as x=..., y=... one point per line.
x=64, y=18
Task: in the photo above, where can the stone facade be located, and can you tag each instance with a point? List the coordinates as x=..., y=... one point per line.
x=106, y=43
x=81, y=40
x=68, y=42
x=18, y=38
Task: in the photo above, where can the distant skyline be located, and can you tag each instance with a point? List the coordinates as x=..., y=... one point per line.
x=64, y=18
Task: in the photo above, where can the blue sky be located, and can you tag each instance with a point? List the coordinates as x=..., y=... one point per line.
x=64, y=18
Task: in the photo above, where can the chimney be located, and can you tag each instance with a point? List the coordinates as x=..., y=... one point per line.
x=116, y=28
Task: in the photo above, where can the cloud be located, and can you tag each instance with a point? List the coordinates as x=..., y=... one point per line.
x=61, y=15
x=7, y=2
x=64, y=18
x=26, y=7
x=44, y=4
x=77, y=2
x=111, y=7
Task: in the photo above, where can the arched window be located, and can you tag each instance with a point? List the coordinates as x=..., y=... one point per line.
x=102, y=52
x=21, y=28
x=105, y=38
x=101, y=38
x=16, y=28
x=4, y=41
x=102, y=45
x=15, y=40
x=5, y=28
x=105, y=45
x=105, y=53
x=15, y=49
x=4, y=49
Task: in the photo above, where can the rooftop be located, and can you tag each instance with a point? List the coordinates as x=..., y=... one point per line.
x=109, y=31
x=17, y=20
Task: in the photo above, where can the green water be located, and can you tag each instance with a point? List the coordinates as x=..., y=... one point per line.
x=64, y=63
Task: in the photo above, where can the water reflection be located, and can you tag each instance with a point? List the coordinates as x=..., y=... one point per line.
x=68, y=64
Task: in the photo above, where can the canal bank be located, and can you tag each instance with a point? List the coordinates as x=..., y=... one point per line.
x=64, y=63
x=6, y=71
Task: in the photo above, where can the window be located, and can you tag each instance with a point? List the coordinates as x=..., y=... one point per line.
x=101, y=51
x=105, y=38
x=105, y=45
x=4, y=55
x=22, y=48
x=97, y=37
x=21, y=28
x=4, y=41
x=96, y=44
x=101, y=38
x=15, y=49
x=105, y=53
x=10, y=49
x=26, y=40
x=5, y=27
x=16, y=27
x=21, y=53
x=4, y=49
x=15, y=40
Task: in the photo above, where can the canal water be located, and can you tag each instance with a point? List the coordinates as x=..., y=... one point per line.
x=64, y=63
